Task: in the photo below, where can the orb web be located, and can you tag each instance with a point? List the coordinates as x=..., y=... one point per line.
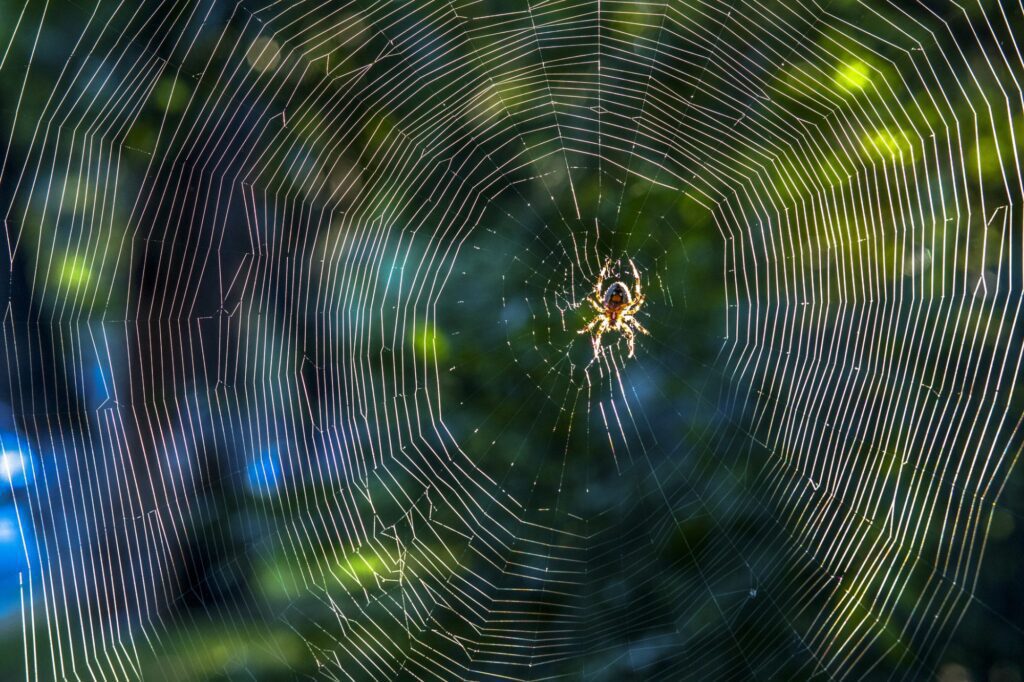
x=294, y=379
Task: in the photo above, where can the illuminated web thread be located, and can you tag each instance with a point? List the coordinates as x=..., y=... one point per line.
x=265, y=245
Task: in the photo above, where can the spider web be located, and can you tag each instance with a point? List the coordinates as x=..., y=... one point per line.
x=294, y=384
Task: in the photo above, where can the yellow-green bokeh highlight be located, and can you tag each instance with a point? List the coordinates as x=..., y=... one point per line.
x=280, y=580
x=217, y=650
x=171, y=95
x=74, y=273
x=853, y=75
x=429, y=342
x=888, y=144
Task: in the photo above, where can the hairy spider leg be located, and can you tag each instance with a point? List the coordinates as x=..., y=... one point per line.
x=636, y=323
x=638, y=295
x=593, y=323
x=636, y=279
x=599, y=286
x=630, y=336
x=601, y=329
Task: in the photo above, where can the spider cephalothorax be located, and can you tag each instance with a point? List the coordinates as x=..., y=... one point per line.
x=615, y=308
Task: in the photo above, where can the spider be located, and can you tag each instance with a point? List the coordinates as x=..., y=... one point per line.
x=615, y=308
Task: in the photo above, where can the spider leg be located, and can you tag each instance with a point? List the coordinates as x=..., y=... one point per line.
x=636, y=323
x=599, y=286
x=597, y=337
x=593, y=323
x=597, y=306
x=630, y=336
x=636, y=280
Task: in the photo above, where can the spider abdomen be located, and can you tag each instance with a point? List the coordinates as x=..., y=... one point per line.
x=617, y=296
